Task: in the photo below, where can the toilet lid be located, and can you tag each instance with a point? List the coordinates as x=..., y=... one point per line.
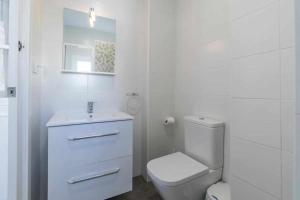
x=175, y=169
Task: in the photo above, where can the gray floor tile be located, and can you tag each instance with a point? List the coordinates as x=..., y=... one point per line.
x=141, y=191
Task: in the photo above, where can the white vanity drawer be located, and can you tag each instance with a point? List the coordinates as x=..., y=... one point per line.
x=91, y=182
x=78, y=145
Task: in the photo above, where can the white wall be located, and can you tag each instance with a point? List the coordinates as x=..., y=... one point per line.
x=202, y=84
x=160, y=78
x=249, y=84
x=70, y=92
x=3, y=148
x=263, y=98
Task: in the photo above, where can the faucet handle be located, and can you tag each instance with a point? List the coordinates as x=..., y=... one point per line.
x=91, y=102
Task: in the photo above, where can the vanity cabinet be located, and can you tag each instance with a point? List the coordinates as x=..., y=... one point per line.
x=90, y=161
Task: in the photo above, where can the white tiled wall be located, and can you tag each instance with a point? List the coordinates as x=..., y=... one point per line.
x=262, y=68
x=263, y=98
x=203, y=76
x=245, y=191
x=161, y=75
x=256, y=32
x=257, y=121
x=159, y=139
x=249, y=84
x=257, y=165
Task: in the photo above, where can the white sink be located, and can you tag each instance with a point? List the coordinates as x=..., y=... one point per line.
x=65, y=119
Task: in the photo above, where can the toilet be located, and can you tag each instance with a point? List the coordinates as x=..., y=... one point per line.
x=219, y=191
x=187, y=176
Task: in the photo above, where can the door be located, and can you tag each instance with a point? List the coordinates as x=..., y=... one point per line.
x=8, y=100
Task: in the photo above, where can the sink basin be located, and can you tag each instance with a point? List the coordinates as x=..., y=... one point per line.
x=65, y=119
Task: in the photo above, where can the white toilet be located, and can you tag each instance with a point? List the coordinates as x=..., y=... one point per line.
x=219, y=191
x=187, y=176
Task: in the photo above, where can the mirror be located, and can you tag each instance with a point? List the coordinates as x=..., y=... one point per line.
x=88, y=48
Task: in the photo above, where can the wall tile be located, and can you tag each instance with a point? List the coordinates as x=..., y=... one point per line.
x=240, y=8
x=53, y=25
x=287, y=176
x=72, y=82
x=287, y=23
x=256, y=33
x=216, y=54
x=226, y=168
x=217, y=81
x=161, y=76
x=52, y=54
x=72, y=101
x=257, y=164
x=214, y=106
x=257, y=76
x=288, y=123
x=96, y=84
x=257, y=120
x=288, y=68
x=241, y=190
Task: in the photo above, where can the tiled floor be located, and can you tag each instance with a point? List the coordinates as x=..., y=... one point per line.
x=141, y=191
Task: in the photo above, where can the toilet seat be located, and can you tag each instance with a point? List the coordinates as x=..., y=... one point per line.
x=175, y=169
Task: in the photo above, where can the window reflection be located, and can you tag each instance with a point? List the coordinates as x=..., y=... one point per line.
x=3, y=61
x=4, y=8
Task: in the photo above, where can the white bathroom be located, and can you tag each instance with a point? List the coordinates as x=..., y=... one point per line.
x=149, y=100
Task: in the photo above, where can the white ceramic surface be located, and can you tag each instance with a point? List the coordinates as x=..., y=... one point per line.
x=65, y=119
x=205, y=143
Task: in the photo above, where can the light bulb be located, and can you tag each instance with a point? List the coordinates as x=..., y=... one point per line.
x=92, y=17
x=92, y=14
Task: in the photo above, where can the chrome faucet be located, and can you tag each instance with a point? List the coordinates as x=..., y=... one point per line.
x=90, y=107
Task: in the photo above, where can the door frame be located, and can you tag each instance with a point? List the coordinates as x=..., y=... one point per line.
x=12, y=78
x=18, y=117
x=24, y=100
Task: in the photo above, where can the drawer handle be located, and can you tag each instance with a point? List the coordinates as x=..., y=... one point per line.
x=93, y=136
x=92, y=176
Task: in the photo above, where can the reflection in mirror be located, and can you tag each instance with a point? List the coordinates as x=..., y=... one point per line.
x=88, y=47
x=3, y=64
x=4, y=16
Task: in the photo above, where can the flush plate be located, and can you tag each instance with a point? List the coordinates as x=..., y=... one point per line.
x=11, y=92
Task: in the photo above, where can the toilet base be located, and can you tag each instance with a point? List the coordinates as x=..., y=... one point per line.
x=192, y=190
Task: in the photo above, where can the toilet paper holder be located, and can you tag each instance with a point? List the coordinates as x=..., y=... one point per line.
x=169, y=121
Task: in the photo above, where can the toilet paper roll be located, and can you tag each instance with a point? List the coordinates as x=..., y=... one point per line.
x=169, y=121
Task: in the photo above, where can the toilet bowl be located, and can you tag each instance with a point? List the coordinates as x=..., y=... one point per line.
x=219, y=191
x=179, y=177
x=187, y=176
